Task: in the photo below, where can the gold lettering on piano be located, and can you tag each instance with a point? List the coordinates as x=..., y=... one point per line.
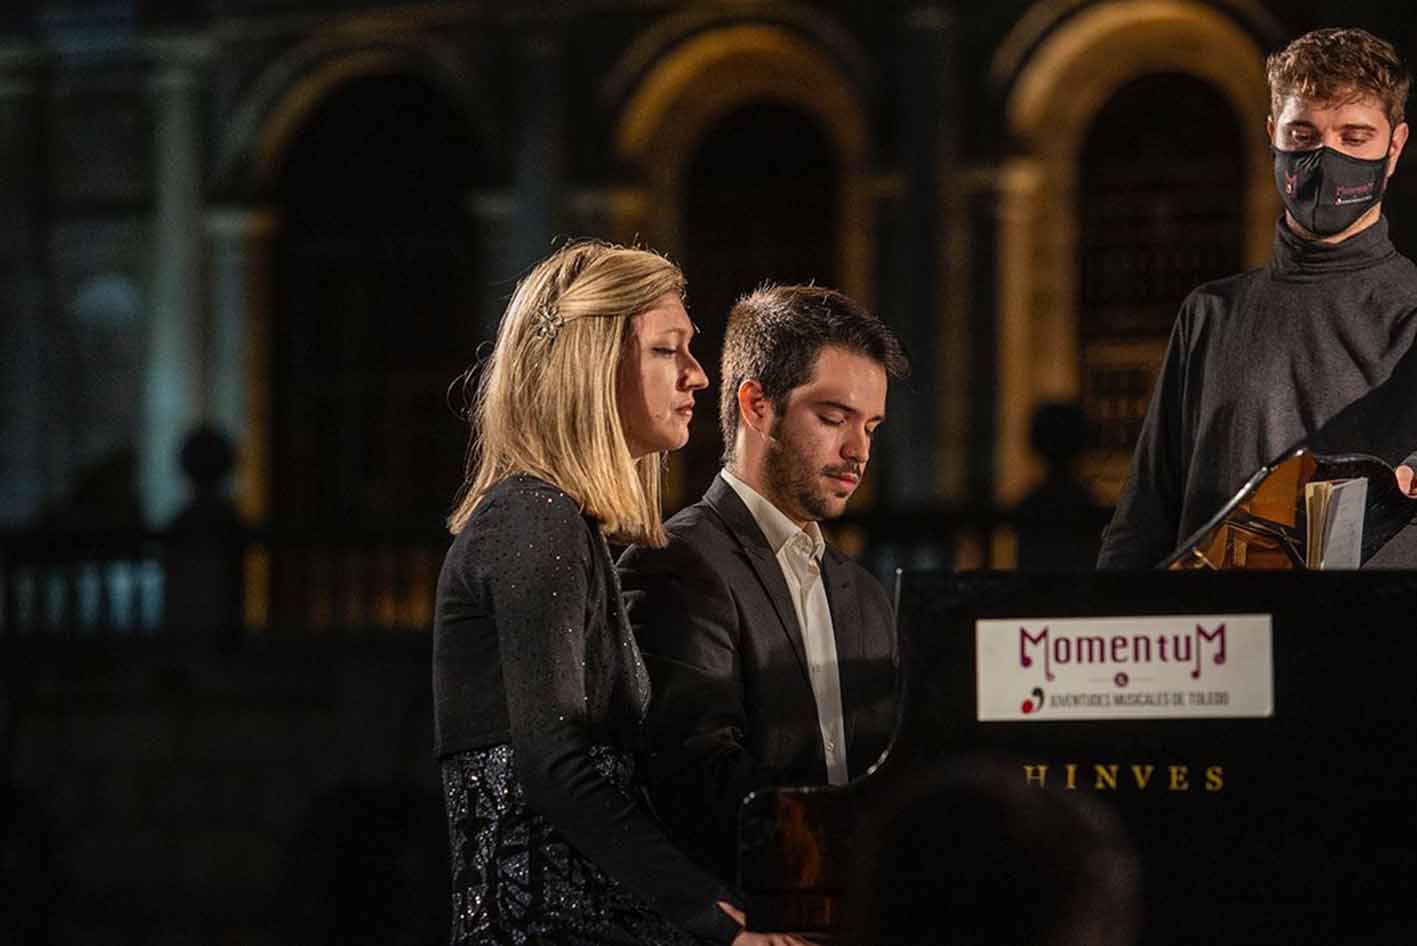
x=1214, y=778
x=1142, y=774
x=1106, y=776
x=1180, y=781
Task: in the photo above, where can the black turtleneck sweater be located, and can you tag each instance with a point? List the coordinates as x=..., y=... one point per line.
x=1258, y=363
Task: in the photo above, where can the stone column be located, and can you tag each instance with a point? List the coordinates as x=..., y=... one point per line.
x=540, y=155
x=24, y=390
x=238, y=366
x=174, y=386
x=913, y=290
x=492, y=215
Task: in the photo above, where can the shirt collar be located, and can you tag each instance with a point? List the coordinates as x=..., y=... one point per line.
x=1300, y=260
x=777, y=528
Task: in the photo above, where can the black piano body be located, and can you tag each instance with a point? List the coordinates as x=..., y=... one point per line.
x=1299, y=826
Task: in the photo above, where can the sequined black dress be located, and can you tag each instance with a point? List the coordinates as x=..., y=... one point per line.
x=539, y=695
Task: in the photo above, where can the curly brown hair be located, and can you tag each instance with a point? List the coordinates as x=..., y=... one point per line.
x=1340, y=65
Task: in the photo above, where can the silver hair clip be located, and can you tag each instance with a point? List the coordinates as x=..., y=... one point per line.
x=548, y=323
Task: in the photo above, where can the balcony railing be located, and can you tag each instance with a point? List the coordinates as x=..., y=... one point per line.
x=67, y=583
x=72, y=584
x=304, y=583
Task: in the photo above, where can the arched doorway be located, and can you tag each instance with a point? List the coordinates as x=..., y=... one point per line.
x=685, y=133
x=1157, y=216
x=760, y=202
x=1056, y=95
x=375, y=282
x=378, y=304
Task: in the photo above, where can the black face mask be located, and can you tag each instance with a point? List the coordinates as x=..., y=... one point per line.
x=1325, y=190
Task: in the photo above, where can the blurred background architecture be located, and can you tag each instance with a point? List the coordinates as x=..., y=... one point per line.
x=248, y=248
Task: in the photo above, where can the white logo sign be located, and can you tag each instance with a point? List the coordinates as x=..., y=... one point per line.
x=1145, y=667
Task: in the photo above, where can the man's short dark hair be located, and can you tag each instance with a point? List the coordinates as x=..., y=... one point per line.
x=774, y=335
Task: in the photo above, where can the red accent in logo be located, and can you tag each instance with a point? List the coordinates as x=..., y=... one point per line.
x=1289, y=182
x=1029, y=706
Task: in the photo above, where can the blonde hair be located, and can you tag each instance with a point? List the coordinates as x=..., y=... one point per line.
x=545, y=402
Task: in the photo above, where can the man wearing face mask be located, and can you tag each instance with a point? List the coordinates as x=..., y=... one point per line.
x=1260, y=362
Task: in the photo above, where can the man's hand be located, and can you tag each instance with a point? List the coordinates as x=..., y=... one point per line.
x=1407, y=480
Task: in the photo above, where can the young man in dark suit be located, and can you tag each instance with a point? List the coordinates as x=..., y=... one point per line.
x=772, y=656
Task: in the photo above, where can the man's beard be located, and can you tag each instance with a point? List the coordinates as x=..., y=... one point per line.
x=790, y=478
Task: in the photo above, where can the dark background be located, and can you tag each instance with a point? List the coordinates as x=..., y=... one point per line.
x=290, y=225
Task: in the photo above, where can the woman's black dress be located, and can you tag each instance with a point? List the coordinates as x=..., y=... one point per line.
x=539, y=694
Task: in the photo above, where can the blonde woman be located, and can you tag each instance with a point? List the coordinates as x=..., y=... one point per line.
x=539, y=688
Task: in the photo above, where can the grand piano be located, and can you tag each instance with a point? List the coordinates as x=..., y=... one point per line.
x=1262, y=767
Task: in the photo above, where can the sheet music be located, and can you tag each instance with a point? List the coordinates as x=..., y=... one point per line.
x=1343, y=530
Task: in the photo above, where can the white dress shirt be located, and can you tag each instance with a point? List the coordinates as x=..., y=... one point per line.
x=799, y=554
